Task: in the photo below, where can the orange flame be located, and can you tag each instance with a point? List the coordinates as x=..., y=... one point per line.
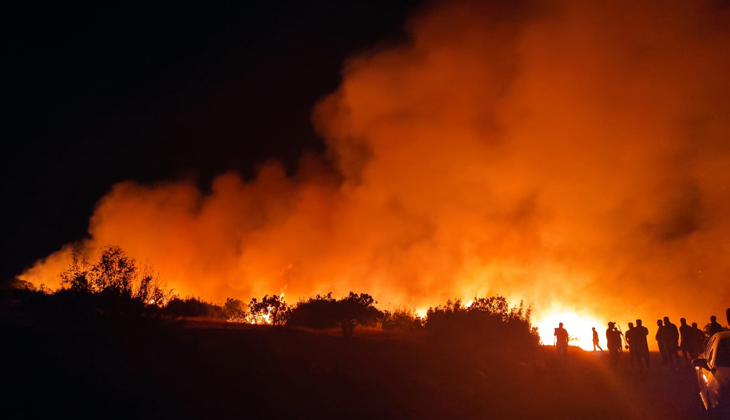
x=573, y=154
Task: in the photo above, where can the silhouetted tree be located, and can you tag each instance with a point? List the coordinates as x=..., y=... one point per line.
x=270, y=310
x=114, y=272
x=114, y=284
x=234, y=311
x=323, y=311
x=77, y=276
x=358, y=309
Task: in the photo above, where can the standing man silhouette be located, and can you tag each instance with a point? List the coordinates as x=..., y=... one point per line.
x=698, y=341
x=629, y=336
x=715, y=326
x=671, y=342
x=660, y=341
x=685, y=333
x=595, y=340
x=640, y=345
x=613, y=338
x=561, y=341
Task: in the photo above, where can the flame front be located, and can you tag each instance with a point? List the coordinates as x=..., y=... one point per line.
x=578, y=325
x=572, y=154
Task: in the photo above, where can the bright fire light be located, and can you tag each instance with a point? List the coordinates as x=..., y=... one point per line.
x=578, y=326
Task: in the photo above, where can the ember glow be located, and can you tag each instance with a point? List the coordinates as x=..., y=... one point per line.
x=572, y=154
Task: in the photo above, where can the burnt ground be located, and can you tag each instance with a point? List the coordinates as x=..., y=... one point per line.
x=211, y=370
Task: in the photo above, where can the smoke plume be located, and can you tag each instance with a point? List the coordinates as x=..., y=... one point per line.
x=572, y=154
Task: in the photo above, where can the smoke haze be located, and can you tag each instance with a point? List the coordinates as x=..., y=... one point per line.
x=572, y=154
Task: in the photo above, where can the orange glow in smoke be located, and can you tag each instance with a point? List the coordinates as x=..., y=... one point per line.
x=572, y=154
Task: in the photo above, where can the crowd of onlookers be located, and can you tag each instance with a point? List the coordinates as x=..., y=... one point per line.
x=687, y=340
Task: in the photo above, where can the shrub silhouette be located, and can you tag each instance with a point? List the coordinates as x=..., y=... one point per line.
x=486, y=322
x=77, y=276
x=112, y=285
x=193, y=307
x=115, y=284
x=358, y=310
x=114, y=274
x=319, y=312
x=234, y=310
x=322, y=312
x=401, y=319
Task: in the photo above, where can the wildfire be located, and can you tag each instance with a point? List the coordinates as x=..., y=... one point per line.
x=263, y=319
x=544, y=155
x=578, y=325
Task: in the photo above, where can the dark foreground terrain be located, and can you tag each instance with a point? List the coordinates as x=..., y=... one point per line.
x=199, y=370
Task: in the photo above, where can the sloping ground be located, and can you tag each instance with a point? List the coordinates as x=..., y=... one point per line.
x=206, y=371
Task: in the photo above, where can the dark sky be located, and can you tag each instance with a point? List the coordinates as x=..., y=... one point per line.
x=105, y=93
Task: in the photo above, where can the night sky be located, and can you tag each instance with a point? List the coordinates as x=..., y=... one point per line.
x=106, y=93
x=572, y=155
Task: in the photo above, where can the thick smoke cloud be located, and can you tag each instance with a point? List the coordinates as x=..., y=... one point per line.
x=573, y=154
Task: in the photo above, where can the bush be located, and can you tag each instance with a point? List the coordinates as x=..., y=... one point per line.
x=401, y=319
x=115, y=274
x=193, y=307
x=486, y=322
x=320, y=312
x=323, y=312
x=234, y=310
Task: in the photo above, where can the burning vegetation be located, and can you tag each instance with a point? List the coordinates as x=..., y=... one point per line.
x=570, y=154
x=115, y=286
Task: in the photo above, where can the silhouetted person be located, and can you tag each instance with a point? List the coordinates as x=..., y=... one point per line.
x=629, y=336
x=613, y=338
x=640, y=345
x=698, y=341
x=595, y=340
x=561, y=341
x=660, y=341
x=685, y=333
x=670, y=335
x=727, y=315
x=715, y=326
